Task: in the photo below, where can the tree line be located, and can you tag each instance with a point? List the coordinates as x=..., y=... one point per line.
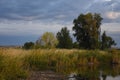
x=87, y=31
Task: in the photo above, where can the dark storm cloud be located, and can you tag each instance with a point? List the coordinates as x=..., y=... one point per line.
x=40, y=9
x=18, y=9
x=65, y=10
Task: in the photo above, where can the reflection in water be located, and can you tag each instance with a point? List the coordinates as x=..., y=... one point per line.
x=102, y=76
x=113, y=78
x=72, y=76
x=103, y=72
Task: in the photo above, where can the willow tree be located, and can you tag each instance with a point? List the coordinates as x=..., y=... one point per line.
x=87, y=30
x=48, y=40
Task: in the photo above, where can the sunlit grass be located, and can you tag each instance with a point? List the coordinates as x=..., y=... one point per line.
x=16, y=64
x=11, y=66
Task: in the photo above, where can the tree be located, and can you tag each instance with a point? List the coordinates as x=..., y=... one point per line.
x=65, y=41
x=107, y=41
x=87, y=30
x=48, y=40
x=28, y=45
x=75, y=45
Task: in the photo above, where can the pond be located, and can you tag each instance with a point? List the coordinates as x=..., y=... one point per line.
x=92, y=72
x=86, y=72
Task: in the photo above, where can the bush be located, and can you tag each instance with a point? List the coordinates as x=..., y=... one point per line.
x=28, y=45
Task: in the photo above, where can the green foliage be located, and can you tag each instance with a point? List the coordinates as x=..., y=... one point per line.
x=37, y=46
x=65, y=41
x=28, y=45
x=87, y=30
x=107, y=41
x=75, y=45
x=48, y=40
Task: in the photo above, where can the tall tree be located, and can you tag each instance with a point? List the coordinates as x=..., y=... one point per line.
x=87, y=30
x=48, y=40
x=65, y=41
x=107, y=41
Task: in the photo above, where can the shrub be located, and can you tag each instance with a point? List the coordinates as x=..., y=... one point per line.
x=28, y=45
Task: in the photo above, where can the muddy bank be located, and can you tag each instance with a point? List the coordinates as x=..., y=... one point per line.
x=46, y=75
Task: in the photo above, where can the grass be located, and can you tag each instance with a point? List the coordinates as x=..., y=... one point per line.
x=16, y=64
x=11, y=66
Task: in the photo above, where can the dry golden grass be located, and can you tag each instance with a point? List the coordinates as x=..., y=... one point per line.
x=16, y=63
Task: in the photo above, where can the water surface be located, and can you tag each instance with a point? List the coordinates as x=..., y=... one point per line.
x=91, y=72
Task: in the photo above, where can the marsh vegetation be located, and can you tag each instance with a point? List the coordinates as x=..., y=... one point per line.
x=17, y=64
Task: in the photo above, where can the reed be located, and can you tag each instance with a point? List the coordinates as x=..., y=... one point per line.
x=11, y=67
x=16, y=64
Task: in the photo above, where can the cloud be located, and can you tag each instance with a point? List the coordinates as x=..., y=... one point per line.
x=56, y=10
x=109, y=9
x=22, y=9
x=34, y=17
x=107, y=0
x=60, y=16
x=30, y=28
x=111, y=27
x=113, y=15
x=46, y=13
x=113, y=30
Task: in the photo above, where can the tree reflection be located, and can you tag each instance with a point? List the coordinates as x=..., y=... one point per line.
x=95, y=72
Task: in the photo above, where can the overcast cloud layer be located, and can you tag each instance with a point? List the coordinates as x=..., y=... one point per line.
x=65, y=10
x=34, y=17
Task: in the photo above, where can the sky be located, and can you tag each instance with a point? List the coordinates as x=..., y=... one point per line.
x=27, y=20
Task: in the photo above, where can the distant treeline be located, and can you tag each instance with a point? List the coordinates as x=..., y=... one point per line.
x=87, y=32
x=10, y=46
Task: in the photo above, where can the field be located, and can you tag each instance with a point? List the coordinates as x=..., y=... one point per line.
x=17, y=64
